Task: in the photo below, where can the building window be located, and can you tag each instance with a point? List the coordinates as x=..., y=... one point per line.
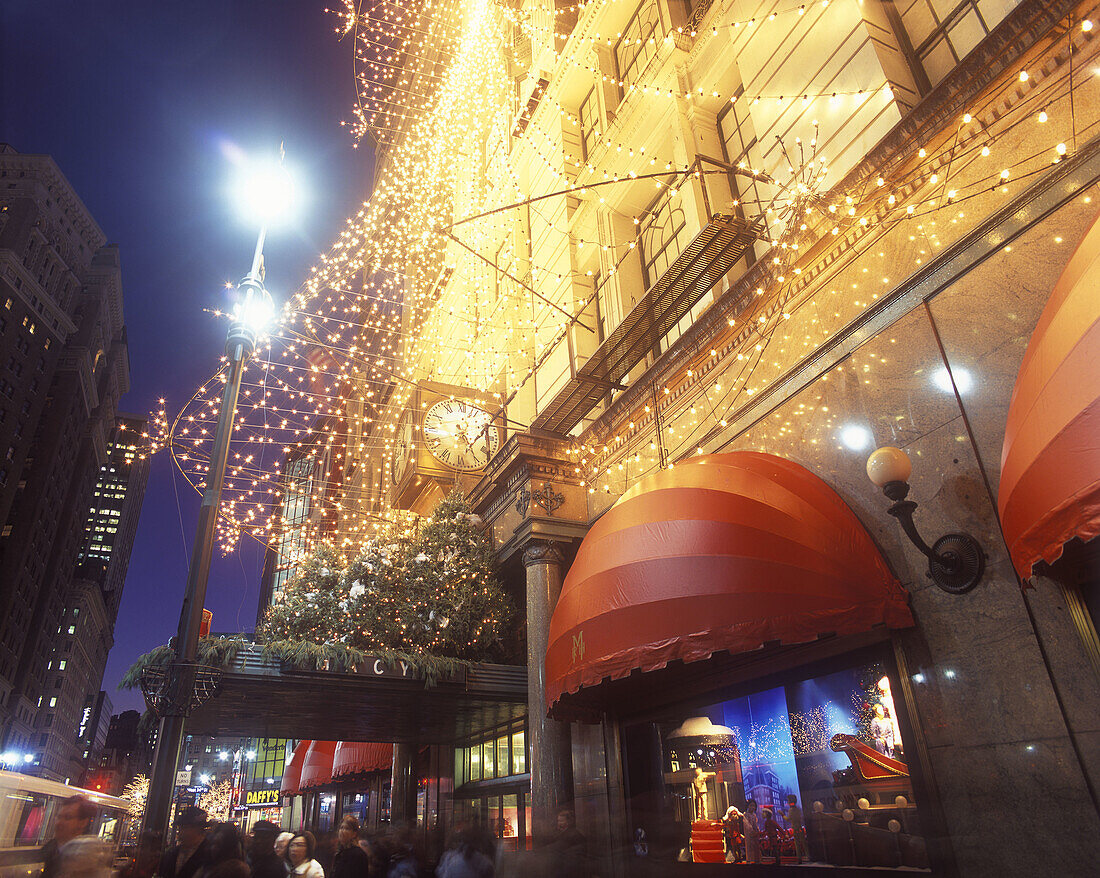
x=590, y=123
x=823, y=742
x=943, y=32
x=62, y=664
x=639, y=42
x=664, y=235
x=53, y=701
x=502, y=754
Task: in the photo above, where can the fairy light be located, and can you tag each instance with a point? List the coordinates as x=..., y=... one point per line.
x=395, y=302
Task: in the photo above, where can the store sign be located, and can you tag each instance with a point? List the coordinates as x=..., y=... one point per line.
x=376, y=667
x=261, y=798
x=84, y=717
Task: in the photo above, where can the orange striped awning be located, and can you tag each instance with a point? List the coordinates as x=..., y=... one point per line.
x=1050, y=463
x=723, y=552
x=317, y=767
x=292, y=771
x=353, y=757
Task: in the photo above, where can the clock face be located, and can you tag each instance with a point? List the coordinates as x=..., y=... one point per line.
x=403, y=448
x=460, y=434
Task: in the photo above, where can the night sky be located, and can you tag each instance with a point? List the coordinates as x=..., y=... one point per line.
x=137, y=102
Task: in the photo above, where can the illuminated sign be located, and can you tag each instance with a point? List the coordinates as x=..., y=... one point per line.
x=261, y=798
x=87, y=715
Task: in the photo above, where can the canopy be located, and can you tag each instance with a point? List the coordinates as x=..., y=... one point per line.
x=356, y=758
x=292, y=771
x=317, y=768
x=723, y=552
x=1050, y=462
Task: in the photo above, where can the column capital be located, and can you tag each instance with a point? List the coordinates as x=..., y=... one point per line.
x=542, y=552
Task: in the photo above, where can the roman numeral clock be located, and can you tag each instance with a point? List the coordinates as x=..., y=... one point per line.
x=439, y=439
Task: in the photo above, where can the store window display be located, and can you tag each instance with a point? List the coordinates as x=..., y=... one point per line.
x=813, y=770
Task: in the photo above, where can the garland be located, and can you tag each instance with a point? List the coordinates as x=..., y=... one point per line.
x=218, y=652
x=433, y=601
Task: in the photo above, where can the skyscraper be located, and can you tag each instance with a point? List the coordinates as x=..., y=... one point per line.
x=113, y=512
x=63, y=367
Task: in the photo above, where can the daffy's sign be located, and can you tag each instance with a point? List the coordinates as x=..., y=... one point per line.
x=261, y=798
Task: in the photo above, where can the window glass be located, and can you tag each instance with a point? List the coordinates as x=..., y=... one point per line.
x=475, y=762
x=590, y=123
x=816, y=769
x=943, y=32
x=519, y=753
x=489, y=756
x=639, y=42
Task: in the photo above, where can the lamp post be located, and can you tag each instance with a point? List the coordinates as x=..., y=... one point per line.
x=176, y=698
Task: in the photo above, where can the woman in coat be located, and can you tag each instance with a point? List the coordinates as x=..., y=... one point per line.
x=299, y=856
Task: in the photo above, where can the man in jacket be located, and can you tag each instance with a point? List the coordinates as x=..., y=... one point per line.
x=188, y=858
x=74, y=819
x=351, y=861
x=261, y=852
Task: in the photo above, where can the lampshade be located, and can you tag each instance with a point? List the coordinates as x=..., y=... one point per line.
x=888, y=464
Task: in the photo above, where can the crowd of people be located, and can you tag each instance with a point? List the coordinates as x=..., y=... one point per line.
x=208, y=849
x=211, y=849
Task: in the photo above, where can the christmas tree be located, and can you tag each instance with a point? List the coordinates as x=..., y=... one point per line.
x=431, y=600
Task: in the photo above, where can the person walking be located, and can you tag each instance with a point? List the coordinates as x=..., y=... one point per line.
x=463, y=860
x=262, y=859
x=74, y=819
x=281, y=841
x=300, y=856
x=146, y=857
x=351, y=861
x=188, y=858
x=225, y=853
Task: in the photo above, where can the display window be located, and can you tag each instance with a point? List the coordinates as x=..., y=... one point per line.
x=813, y=769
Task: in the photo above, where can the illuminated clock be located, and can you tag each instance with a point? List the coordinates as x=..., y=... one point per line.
x=404, y=449
x=459, y=434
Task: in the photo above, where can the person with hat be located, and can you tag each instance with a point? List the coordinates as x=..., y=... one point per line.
x=262, y=858
x=188, y=858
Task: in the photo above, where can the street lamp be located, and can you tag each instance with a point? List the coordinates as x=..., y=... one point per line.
x=265, y=195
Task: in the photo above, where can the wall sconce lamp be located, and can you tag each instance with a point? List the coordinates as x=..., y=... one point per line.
x=956, y=560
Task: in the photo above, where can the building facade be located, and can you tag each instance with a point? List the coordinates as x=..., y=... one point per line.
x=701, y=260
x=823, y=228
x=67, y=365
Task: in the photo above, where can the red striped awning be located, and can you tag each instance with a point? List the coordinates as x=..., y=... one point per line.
x=723, y=552
x=353, y=757
x=1050, y=463
x=292, y=771
x=317, y=767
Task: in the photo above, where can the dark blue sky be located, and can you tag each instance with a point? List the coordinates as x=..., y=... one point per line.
x=135, y=101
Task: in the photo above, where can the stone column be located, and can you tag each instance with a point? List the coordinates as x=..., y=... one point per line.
x=403, y=785
x=551, y=761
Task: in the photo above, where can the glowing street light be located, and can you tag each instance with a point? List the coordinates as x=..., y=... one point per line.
x=264, y=196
